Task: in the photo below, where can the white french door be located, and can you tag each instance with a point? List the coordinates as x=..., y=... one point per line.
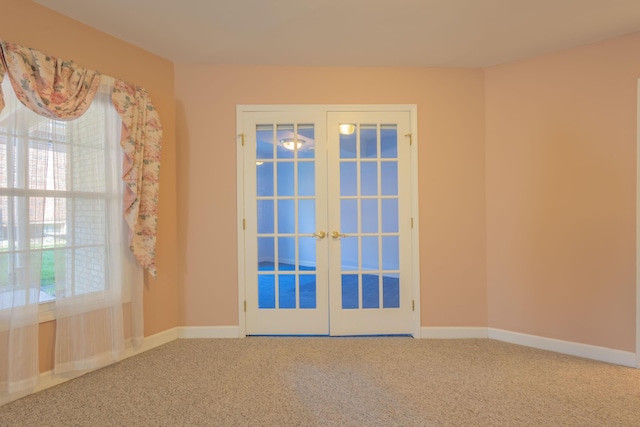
x=327, y=222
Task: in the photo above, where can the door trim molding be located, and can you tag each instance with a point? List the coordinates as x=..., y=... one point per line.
x=638, y=226
x=412, y=109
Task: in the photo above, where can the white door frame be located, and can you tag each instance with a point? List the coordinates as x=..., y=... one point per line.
x=415, y=235
x=638, y=227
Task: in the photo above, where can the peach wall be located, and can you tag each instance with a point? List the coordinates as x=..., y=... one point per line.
x=561, y=177
x=451, y=173
x=32, y=25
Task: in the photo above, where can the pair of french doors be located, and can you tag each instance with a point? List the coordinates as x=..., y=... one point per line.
x=327, y=222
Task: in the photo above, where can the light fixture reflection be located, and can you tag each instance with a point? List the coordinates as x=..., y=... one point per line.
x=346, y=128
x=291, y=144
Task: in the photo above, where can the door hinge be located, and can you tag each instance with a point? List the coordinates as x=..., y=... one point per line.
x=245, y=306
x=410, y=138
x=411, y=222
x=242, y=138
x=244, y=224
x=413, y=305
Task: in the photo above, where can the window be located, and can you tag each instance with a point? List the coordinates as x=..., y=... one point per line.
x=59, y=187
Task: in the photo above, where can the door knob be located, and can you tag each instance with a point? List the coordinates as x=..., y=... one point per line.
x=337, y=235
x=320, y=234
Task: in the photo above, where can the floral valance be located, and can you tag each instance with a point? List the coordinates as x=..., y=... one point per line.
x=61, y=90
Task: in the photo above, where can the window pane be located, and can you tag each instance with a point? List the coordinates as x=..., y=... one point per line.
x=286, y=141
x=307, y=254
x=264, y=177
x=370, y=291
x=306, y=179
x=286, y=216
x=286, y=253
x=266, y=254
x=266, y=291
x=369, y=180
x=349, y=215
x=89, y=218
x=390, y=257
x=88, y=169
x=287, y=291
x=348, y=179
x=349, y=253
x=388, y=141
x=89, y=273
x=264, y=142
x=368, y=142
x=285, y=179
x=350, y=296
x=389, y=215
x=391, y=290
x=307, y=291
x=265, y=216
x=370, y=253
x=389, y=178
x=306, y=134
x=306, y=216
x=369, y=215
x=4, y=160
x=348, y=145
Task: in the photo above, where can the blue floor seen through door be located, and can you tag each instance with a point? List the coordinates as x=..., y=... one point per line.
x=352, y=284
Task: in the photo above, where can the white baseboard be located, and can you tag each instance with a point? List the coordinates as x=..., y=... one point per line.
x=603, y=354
x=453, y=332
x=48, y=379
x=186, y=332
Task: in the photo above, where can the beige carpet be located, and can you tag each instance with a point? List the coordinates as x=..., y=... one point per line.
x=340, y=382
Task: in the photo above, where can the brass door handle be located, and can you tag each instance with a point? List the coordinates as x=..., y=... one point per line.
x=320, y=235
x=337, y=235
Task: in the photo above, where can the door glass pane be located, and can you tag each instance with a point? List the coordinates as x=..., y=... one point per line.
x=348, y=179
x=286, y=291
x=306, y=179
x=390, y=258
x=264, y=142
x=391, y=290
x=306, y=216
x=389, y=215
x=286, y=141
x=349, y=249
x=307, y=248
x=347, y=141
x=286, y=216
x=388, y=141
x=266, y=254
x=350, y=297
x=370, y=291
x=285, y=179
x=370, y=253
x=369, y=172
x=307, y=291
x=306, y=134
x=349, y=215
x=266, y=291
x=369, y=215
x=389, y=173
x=368, y=141
x=265, y=216
x=264, y=175
x=286, y=253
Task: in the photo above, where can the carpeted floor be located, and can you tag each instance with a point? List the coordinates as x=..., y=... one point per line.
x=266, y=381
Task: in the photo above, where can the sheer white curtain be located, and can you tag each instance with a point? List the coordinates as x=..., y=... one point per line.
x=94, y=269
x=63, y=240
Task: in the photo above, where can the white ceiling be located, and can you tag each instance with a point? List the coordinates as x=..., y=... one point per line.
x=395, y=33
